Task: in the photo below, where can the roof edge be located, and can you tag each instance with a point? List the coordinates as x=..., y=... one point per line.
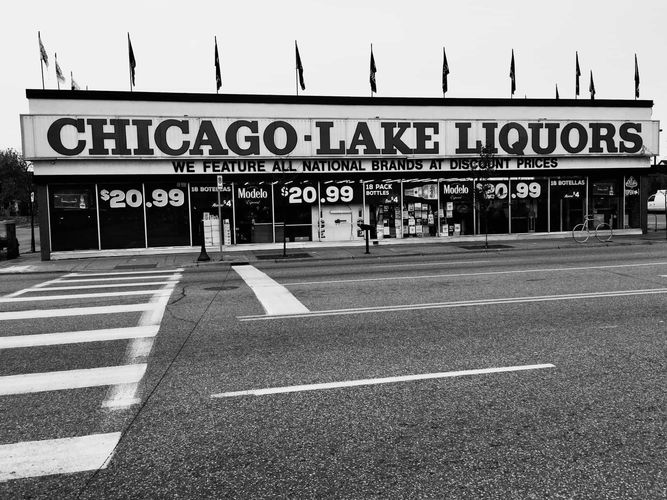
x=114, y=95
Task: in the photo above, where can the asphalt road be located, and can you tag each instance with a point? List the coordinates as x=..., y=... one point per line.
x=579, y=411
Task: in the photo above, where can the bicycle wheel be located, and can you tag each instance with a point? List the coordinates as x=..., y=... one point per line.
x=603, y=232
x=580, y=233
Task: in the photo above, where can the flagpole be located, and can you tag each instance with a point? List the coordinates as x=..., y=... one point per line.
x=129, y=63
x=57, y=79
x=296, y=73
x=41, y=62
x=371, y=56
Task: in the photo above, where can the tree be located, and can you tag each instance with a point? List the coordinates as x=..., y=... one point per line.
x=484, y=191
x=15, y=184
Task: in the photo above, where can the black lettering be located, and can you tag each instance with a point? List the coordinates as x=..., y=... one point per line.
x=392, y=141
x=463, y=148
x=161, y=136
x=325, y=140
x=634, y=139
x=55, y=140
x=522, y=141
x=597, y=137
x=490, y=133
x=362, y=137
x=118, y=136
x=535, y=133
x=232, y=138
x=143, y=146
x=422, y=137
x=565, y=137
x=207, y=136
x=270, y=137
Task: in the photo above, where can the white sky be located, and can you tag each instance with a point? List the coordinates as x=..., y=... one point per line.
x=173, y=46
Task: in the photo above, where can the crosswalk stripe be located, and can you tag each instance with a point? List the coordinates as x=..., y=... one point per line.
x=74, y=311
x=56, y=456
x=174, y=277
x=71, y=379
x=70, y=296
x=76, y=337
x=86, y=287
x=113, y=273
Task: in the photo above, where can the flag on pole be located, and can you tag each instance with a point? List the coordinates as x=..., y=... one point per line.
x=445, y=71
x=218, y=77
x=636, y=78
x=557, y=96
x=42, y=51
x=577, y=74
x=133, y=62
x=591, y=87
x=75, y=86
x=373, y=71
x=513, y=73
x=299, y=67
x=59, y=73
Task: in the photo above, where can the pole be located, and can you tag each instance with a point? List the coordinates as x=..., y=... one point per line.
x=57, y=79
x=220, y=218
x=41, y=61
x=32, y=222
x=284, y=239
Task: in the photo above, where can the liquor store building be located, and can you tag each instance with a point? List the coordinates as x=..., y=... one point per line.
x=120, y=170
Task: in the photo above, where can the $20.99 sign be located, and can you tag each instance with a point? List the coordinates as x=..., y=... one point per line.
x=308, y=194
x=118, y=198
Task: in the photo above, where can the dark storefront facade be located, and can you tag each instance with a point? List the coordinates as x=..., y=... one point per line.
x=144, y=170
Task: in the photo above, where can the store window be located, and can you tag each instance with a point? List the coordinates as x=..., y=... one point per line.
x=492, y=198
x=295, y=208
x=73, y=217
x=456, y=208
x=384, y=208
x=529, y=205
x=568, y=202
x=605, y=202
x=420, y=208
x=204, y=213
x=252, y=204
x=632, y=216
x=121, y=215
x=167, y=214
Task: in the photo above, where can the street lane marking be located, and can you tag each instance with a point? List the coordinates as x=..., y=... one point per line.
x=33, y=298
x=56, y=456
x=124, y=395
x=376, y=381
x=274, y=298
x=481, y=273
x=74, y=311
x=436, y=263
x=86, y=287
x=118, y=278
x=461, y=303
x=70, y=379
x=119, y=273
x=76, y=337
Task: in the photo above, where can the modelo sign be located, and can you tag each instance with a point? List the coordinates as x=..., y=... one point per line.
x=47, y=137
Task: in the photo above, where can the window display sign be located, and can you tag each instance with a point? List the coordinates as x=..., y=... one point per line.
x=167, y=217
x=329, y=193
x=382, y=192
x=122, y=215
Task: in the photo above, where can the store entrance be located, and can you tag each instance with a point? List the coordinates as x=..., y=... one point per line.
x=339, y=222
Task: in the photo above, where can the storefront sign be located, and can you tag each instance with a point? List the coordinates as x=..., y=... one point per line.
x=47, y=137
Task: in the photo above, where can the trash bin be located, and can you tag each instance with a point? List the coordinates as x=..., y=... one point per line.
x=8, y=241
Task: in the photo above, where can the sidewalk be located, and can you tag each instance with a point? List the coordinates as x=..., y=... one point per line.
x=186, y=257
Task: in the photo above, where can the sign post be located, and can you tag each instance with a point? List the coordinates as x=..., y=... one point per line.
x=220, y=211
x=32, y=221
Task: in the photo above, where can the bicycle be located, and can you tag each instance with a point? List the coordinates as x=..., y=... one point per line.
x=582, y=232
